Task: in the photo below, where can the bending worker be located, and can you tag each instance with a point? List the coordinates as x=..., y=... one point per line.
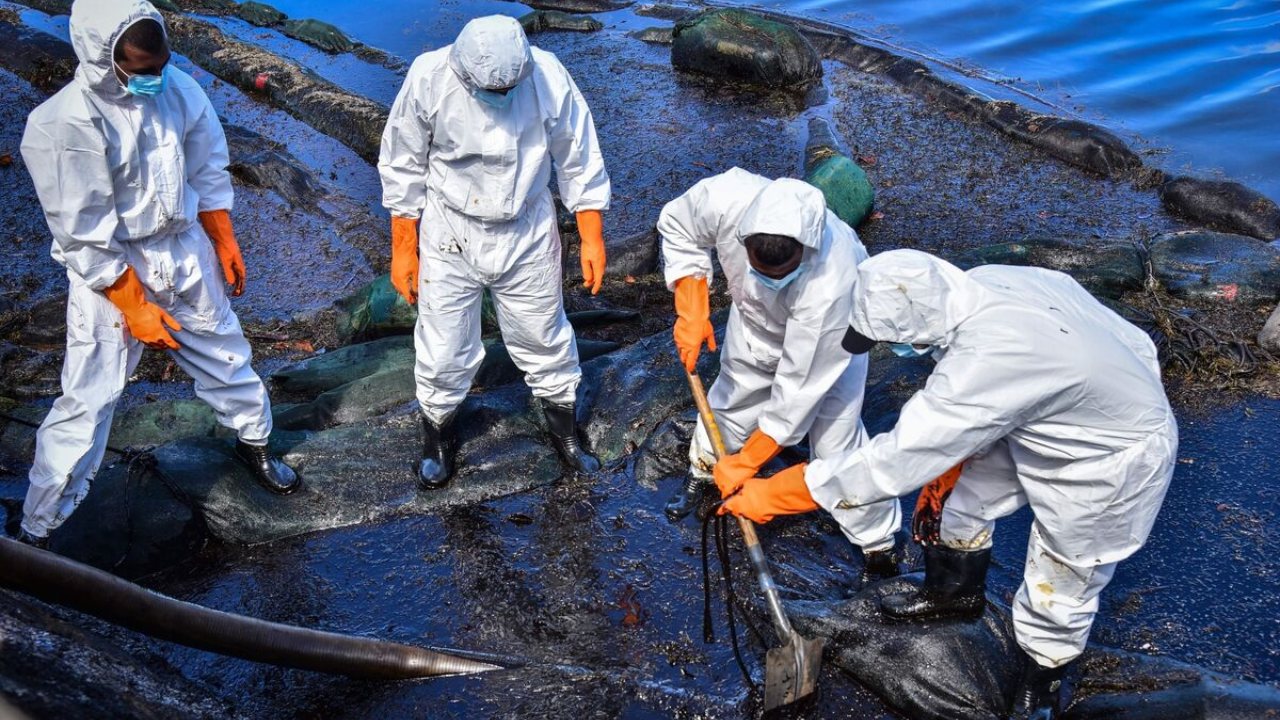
x=1054, y=400
x=791, y=266
x=465, y=165
x=130, y=164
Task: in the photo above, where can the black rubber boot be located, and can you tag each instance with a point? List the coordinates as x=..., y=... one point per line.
x=687, y=498
x=1039, y=692
x=564, y=435
x=954, y=586
x=27, y=538
x=436, y=466
x=880, y=565
x=269, y=470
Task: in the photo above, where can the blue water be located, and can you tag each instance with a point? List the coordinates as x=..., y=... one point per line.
x=1192, y=81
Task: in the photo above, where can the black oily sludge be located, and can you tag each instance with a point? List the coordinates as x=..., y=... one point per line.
x=968, y=670
x=739, y=45
x=1222, y=205
x=39, y=58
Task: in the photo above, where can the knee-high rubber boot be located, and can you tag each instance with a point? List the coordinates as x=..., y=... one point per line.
x=883, y=564
x=436, y=466
x=687, y=498
x=563, y=428
x=1039, y=692
x=954, y=586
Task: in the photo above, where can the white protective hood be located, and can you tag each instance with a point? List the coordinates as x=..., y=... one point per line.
x=787, y=207
x=95, y=27
x=907, y=296
x=491, y=53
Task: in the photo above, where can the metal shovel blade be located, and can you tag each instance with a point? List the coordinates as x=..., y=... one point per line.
x=791, y=671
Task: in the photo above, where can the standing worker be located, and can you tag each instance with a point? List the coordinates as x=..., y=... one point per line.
x=466, y=162
x=1049, y=399
x=791, y=266
x=130, y=164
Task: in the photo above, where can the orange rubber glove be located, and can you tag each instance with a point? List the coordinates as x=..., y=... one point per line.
x=217, y=225
x=404, y=258
x=763, y=499
x=591, y=232
x=145, y=320
x=734, y=470
x=926, y=523
x=693, y=319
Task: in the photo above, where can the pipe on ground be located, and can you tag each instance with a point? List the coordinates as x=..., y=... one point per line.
x=56, y=579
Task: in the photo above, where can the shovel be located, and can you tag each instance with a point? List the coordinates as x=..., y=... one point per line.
x=790, y=671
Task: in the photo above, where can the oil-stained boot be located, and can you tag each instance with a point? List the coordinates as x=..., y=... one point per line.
x=34, y=541
x=687, y=498
x=436, y=466
x=880, y=565
x=563, y=428
x=955, y=582
x=1039, y=692
x=269, y=470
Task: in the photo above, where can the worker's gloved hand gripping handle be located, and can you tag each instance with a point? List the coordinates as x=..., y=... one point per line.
x=693, y=320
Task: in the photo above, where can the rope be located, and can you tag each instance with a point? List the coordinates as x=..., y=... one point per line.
x=722, y=554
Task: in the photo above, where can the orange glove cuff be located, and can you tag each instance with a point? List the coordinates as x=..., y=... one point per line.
x=126, y=292
x=763, y=499
x=404, y=234
x=591, y=227
x=217, y=225
x=693, y=319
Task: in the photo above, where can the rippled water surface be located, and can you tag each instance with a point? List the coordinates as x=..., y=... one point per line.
x=1196, y=79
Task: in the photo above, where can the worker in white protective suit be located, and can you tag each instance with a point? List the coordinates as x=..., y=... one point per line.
x=466, y=161
x=1048, y=399
x=129, y=162
x=790, y=265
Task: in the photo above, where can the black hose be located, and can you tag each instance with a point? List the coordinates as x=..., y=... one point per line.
x=56, y=579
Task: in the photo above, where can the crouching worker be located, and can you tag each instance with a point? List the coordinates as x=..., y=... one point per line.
x=1054, y=401
x=790, y=265
x=130, y=164
x=465, y=164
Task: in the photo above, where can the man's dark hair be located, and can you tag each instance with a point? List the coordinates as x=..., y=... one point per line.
x=146, y=35
x=772, y=250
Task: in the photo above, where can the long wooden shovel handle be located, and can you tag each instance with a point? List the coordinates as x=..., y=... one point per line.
x=754, y=551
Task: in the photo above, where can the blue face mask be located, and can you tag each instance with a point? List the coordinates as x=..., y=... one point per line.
x=907, y=350
x=777, y=284
x=493, y=98
x=146, y=86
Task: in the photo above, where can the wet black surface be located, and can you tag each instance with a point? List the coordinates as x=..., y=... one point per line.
x=586, y=579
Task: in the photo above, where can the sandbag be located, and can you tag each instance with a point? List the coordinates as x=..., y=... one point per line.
x=318, y=34
x=1222, y=205
x=939, y=670
x=256, y=13
x=541, y=20
x=1105, y=269
x=1212, y=265
x=844, y=184
x=741, y=45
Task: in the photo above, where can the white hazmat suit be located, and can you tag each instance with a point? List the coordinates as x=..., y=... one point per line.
x=121, y=180
x=477, y=175
x=782, y=368
x=1056, y=402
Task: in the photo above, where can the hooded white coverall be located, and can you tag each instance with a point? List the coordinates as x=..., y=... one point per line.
x=478, y=177
x=782, y=368
x=121, y=180
x=1057, y=403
